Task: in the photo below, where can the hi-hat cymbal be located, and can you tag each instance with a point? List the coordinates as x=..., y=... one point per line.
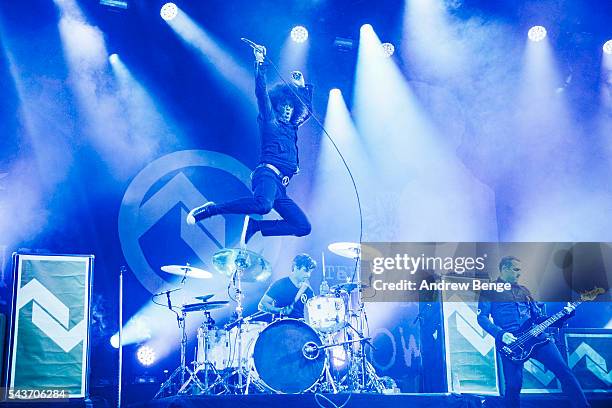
x=253, y=266
x=353, y=250
x=200, y=306
x=188, y=271
x=204, y=298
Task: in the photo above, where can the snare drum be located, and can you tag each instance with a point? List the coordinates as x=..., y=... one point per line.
x=326, y=313
x=280, y=361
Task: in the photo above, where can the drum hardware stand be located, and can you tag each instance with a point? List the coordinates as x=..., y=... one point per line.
x=207, y=367
x=329, y=379
x=367, y=374
x=182, y=368
x=241, y=264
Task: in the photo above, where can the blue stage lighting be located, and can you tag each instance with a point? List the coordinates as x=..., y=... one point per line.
x=115, y=4
x=113, y=58
x=366, y=27
x=537, y=33
x=168, y=11
x=299, y=34
x=607, y=47
x=145, y=355
x=388, y=49
x=335, y=92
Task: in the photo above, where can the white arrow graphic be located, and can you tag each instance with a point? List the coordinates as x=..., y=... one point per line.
x=467, y=325
x=595, y=362
x=537, y=369
x=53, y=318
x=205, y=238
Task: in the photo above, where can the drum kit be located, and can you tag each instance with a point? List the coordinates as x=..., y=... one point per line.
x=288, y=356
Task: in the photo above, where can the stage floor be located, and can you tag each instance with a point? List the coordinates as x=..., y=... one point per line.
x=362, y=401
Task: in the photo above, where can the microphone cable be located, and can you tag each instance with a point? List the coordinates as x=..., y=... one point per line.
x=310, y=111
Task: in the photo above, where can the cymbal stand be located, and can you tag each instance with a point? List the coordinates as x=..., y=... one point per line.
x=206, y=367
x=327, y=382
x=241, y=263
x=182, y=369
x=368, y=380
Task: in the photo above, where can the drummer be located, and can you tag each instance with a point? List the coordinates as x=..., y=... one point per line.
x=287, y=296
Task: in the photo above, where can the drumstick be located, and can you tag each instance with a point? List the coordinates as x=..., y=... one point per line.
x=323, y=263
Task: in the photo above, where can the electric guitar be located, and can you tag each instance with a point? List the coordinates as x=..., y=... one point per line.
x=529, y=336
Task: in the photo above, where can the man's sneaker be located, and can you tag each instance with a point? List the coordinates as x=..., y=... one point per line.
x=200, y=213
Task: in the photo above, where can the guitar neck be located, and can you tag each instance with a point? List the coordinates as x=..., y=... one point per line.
x=538, y=329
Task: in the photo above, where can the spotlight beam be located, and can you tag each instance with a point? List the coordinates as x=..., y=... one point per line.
x=211, y=52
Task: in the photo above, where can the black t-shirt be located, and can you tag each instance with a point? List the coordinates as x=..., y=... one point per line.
x=283, y=292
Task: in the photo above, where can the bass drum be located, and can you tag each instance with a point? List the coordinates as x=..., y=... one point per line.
x=279, y=359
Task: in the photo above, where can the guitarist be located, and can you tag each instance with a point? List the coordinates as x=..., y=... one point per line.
x=509, y=310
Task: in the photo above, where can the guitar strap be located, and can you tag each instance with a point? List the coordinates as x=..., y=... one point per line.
x=534, y=310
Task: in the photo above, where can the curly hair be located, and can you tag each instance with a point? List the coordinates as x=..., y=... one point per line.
x=304, y=261
x=282, y=94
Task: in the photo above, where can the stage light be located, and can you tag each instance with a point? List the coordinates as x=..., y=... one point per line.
x=335, y=92
x=299, y=34
x=366, y=28
x=115, y=4
x=113, y=58
x=114, y=341
x=338, y=357
x=607, y=47
x=168, y=11
x=536, y=33
x=344, y=44
x=145, y=355
x=137, y=330
x=388, y=49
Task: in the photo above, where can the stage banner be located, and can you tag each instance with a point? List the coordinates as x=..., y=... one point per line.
x=50, y=320
x=471, y=364
x=537, y=379
x=589, y=355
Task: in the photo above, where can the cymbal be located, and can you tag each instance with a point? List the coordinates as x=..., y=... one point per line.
x=345, y=249
x=186, y=270
x=204, y=298
x=353, y=250
x=254, y=267
x=196, y=307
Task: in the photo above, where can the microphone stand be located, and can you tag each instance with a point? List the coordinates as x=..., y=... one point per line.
x=120, y=365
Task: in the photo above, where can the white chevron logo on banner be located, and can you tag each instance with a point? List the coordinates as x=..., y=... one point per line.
x=51, y=316
x=538, y=370
x=468, y=327
x=595, y=362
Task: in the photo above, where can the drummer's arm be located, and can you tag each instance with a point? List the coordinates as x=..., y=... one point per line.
x=268, y=304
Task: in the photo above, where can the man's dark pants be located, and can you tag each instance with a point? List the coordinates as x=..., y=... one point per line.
x=548, y=355
x=269, y=193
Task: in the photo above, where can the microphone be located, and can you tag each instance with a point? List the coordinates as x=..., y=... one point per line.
x=165, y=292
x=253, y=45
